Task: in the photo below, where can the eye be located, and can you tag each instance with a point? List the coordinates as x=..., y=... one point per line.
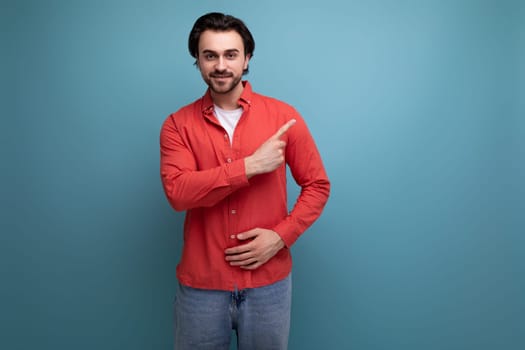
x=231, y=55
x=210, y=56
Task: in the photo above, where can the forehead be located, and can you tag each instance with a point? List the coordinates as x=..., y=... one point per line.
x=220, y=41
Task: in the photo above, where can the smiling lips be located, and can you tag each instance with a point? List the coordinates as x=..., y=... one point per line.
x=221, y=76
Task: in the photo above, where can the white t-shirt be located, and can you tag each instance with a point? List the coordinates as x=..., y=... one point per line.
x=228, y=119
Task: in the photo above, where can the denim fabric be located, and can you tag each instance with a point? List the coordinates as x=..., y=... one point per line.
x=204, y=319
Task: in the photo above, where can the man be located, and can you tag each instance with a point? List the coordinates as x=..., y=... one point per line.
x=223, y=161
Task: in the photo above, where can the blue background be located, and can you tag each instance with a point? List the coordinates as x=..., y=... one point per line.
x=417, y=108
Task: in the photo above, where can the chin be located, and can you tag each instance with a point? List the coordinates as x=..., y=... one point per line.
x=222, y=89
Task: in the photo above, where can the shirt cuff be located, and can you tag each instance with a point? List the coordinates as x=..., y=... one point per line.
x=237, y=174
x=288, y=231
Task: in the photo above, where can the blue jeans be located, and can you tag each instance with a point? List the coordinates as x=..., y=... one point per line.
x=204, y=319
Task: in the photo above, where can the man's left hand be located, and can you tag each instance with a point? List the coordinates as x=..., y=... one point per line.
x=263, y=246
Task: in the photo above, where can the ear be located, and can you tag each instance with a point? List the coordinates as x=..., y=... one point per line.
x=196, y=63
x=247, y=60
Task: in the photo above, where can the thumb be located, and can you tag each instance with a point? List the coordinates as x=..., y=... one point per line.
x=248, y=234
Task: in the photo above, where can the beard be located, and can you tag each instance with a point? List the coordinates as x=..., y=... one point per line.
x=222, y=82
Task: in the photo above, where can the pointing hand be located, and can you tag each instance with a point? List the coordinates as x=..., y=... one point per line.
x=270, y=155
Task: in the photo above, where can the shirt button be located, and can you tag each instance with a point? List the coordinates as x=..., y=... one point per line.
x=225, y=136
x=232, y=236
x=234, y=211
x=229, y=160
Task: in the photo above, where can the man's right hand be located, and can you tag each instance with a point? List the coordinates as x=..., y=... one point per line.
x=270, y=155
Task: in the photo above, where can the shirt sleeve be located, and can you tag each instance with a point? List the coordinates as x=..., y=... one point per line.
x=187, y=187
x=306, y=166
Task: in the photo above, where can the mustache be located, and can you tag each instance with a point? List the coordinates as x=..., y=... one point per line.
x=218, y=74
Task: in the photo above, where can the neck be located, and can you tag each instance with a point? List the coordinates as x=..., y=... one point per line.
x=228, y=101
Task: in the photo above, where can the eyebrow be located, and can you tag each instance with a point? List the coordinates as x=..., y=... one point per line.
x=205, y=51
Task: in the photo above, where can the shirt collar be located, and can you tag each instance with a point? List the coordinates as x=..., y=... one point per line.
x=244, y=101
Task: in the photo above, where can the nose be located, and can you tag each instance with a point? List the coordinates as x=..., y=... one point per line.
x=221, y=64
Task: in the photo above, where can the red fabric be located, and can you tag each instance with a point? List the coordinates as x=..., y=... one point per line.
x=204, y=174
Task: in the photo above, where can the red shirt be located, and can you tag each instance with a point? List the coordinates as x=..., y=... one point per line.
x=203, y=173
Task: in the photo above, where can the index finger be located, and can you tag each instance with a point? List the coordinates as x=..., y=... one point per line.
x=283, y=129
x=244, y=248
